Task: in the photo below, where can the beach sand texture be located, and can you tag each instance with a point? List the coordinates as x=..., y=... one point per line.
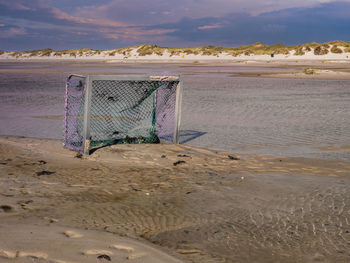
x=195, y=204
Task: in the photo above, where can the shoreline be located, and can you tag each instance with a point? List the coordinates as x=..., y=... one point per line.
x=184, y=209
x=196, y=60
x=320, y=69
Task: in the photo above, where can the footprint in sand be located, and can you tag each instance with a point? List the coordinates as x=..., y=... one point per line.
x=21, y=254
x=7, y=254
x=34, y=255
x=129, y=250
x=72, y=234
x=97, y=252
x=136, y=256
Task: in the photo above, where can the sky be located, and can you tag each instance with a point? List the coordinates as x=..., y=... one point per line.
x=109, y=24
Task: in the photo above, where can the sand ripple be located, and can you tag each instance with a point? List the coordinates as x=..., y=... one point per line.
x=209, y=209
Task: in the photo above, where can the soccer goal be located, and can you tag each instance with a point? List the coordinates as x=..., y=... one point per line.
x=103, y=110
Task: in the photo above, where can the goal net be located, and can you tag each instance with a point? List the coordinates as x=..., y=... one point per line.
x=102, y=110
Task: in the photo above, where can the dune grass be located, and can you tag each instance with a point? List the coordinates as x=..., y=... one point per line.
x=339, y=43
x=336, y=50
x=74, y=52
x=321, y=50
x=33, y=53
x=147, y=49
x=309, y=71
x=123, y=51
x=299, y=51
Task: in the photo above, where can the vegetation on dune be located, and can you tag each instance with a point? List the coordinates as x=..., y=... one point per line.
x=262, y=49
x=146, y=49
x=32, y=53
x=77, y=52
x=40, y=53
x=113, y=53
x=202, y=50
x=299, y=51
x=336, y=50
x=311, y=45
x=48, y=52
x=123, y=51
x=309, y=71
x=258, y=48
x=189, y=51
x=321, y=50
x=255, y=49
x=1, y=52
x=339, y=43
x=15, y=54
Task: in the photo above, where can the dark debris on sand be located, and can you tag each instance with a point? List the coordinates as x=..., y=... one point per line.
x=178, y=162
x=44, y=173
x=103, y=256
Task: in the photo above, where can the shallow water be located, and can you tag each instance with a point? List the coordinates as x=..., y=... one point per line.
x=242, y=115
x=269, y=116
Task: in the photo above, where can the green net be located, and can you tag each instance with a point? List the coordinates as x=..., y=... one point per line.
x=123, y=112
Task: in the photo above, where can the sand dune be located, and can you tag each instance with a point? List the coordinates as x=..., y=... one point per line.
x=333, y=51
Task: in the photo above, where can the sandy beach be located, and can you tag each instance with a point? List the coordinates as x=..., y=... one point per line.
x=181, y=203
x=169, y=203
x=153, y=132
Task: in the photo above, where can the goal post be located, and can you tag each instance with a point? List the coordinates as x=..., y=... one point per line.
x=102, y=110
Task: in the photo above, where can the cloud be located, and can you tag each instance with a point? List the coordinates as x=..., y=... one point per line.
x=209, y=27
x=150, y=12
x=11, y=32
x=64, y=24
x=95, y=22
x=46, y=17
x=325, y=22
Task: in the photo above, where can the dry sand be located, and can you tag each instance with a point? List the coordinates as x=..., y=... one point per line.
x=194, y=205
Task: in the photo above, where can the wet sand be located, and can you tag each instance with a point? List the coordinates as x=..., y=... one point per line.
x=194, y=204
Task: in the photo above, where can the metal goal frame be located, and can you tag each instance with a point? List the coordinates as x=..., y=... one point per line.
x=86, y=85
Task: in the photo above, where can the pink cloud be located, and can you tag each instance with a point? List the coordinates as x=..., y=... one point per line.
x=133, y=33
x=109, y=28
x=91, y=20
x=209, y=27
x=62, y=15
x=12, y=32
